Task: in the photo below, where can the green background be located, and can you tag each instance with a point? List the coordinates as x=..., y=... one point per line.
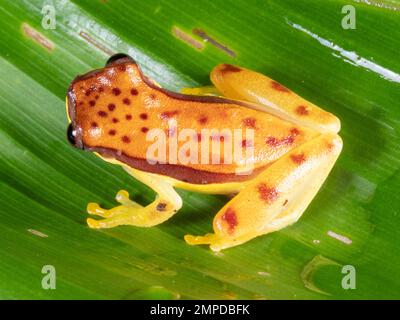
x=46, y=184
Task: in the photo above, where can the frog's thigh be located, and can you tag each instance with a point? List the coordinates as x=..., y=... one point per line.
x=277, y=197
x=166, y=204
x=270, y=96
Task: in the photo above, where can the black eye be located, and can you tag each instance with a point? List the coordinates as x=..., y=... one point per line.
x=117, y=57
x=71, y=134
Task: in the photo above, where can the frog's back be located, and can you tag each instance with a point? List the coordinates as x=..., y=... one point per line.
x=114, y=111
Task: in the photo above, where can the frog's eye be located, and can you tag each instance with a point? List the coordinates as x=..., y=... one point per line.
x=71, y=135
x=118, y=56
x=74, y=136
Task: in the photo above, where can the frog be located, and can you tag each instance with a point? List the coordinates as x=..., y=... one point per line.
x=295, y=144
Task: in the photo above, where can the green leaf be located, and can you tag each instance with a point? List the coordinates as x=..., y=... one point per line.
x=46, y=184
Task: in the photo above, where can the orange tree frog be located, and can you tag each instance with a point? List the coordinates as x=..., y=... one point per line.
x=295, y=145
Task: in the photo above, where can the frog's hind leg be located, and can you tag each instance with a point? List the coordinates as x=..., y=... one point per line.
x=166, y=204
x=277, y=197
x=270, y=96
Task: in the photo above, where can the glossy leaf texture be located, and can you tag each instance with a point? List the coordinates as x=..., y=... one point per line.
x=46, y=184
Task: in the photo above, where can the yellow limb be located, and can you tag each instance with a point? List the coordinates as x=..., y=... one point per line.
x=277, y=197
x=166, y=204
x=269, y=96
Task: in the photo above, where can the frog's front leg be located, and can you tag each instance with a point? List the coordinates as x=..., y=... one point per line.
x=166, y=204
x=275, y=198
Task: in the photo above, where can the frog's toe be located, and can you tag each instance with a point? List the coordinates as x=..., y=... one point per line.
x=94, y=208
x=123, y=198
x=215, y=241
x=121, y=219
x=92, y=223
x=195, y=240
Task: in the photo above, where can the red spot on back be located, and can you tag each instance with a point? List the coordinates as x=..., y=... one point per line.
x=249, y=122
x=231, y=219
x=144, y=129
x=112, y=132
x=134, y=92
x=94, y=124
x=92, y=103
x=102, y=114
x=203, y=120
x=302, y=110
x=143, y=116
x=126, y=101
x=298, y=158
x=168, y=114
x=229, y=68
x=278, y=87
x=116, y=91
x=268, y=194
x=128, y=117
x=111, y=106
x=115, y=120
x=125, y=139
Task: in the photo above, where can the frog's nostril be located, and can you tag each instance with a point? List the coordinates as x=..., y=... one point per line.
x=71, y=134
x=116, y=57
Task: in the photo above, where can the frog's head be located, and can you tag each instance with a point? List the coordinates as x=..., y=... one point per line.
x=113, y=112
x=115, y=106
x=96, y=102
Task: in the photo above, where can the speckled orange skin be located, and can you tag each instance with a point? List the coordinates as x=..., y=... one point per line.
x=113, y=108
